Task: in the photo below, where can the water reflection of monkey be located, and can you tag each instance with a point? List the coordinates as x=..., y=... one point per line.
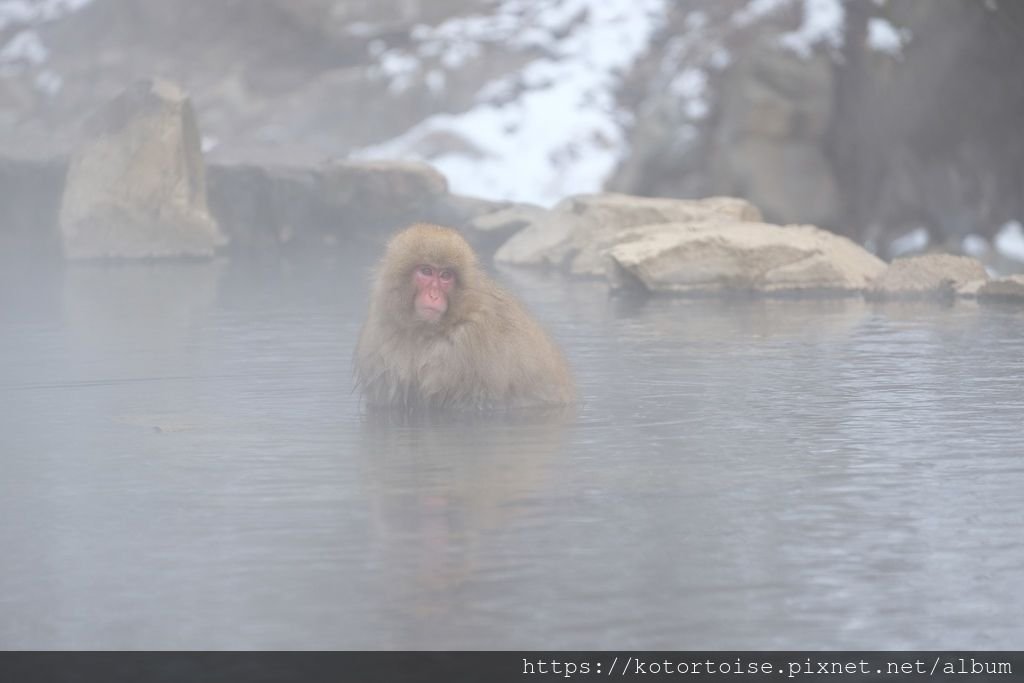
x=441, y=490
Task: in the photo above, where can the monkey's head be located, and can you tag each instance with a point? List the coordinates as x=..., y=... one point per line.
x=426, y=270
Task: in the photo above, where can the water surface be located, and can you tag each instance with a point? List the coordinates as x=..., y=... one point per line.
x=183, y=464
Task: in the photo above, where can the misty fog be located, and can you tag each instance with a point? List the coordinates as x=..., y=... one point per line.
x=779, y=243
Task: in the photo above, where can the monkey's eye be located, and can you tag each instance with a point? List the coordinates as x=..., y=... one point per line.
x=447, y=275
x=426, y=271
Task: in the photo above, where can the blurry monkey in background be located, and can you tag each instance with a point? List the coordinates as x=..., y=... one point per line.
x=440, y=334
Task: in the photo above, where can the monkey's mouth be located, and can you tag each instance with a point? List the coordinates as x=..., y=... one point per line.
x=430, y=314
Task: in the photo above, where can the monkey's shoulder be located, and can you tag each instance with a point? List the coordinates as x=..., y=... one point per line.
x=497, y=313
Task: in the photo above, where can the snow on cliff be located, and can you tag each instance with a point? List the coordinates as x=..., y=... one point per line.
x=24, y=48
x=551, y=129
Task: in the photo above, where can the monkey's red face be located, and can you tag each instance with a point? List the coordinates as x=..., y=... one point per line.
x=433, y=286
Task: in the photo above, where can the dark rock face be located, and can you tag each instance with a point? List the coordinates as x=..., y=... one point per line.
x=266, y=209
x=375, y=192
x=865, y=142
x=776, y=107
x=30, y=194
x=929, y=139
x=263, y=209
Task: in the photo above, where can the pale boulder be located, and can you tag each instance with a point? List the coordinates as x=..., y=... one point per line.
x=136, y=188
x=1009, y=288
x=734, y=256
x=969, y=290
x=577, y=231
x=928, y=276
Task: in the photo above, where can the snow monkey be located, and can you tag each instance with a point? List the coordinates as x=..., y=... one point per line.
x=441, y=334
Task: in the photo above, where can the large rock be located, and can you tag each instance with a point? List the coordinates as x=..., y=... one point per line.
x=789, y=180
x=579, y=229
x=969, y=290
x=927, y=276
x=768, y=141
x=30, y=192
x=723, y=256
x=488, y=225
x=387, y=186
x=376, y=197
x=263, y=208
x=136, y=188
x=1009, y=288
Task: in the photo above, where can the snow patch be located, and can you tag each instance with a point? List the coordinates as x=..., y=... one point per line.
x=912, y=242
x=884, y=37
x=975, y=245
x=400, y=70
x=25, y=50
x=24, y=12
x=435, y=80
x=25, y=47
x=561, y=134
x=1009, y=241
x=691, y=86
x=48, y=82
x=756, y=10
x=823, y=22
x=719, y=59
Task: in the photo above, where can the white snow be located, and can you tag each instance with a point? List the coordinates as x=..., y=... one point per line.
x=690, y=86
x=1009, y=241
x=562, y=133
x=975, y=245
x=758, y=9
x=24, y=47
x=435, y=80
x=720, y=58
x=399, y=68
x=884, y=37
x=909, y=243
x=16, y=12
x=48, y=82
x=823, y=22
x=26, y=12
